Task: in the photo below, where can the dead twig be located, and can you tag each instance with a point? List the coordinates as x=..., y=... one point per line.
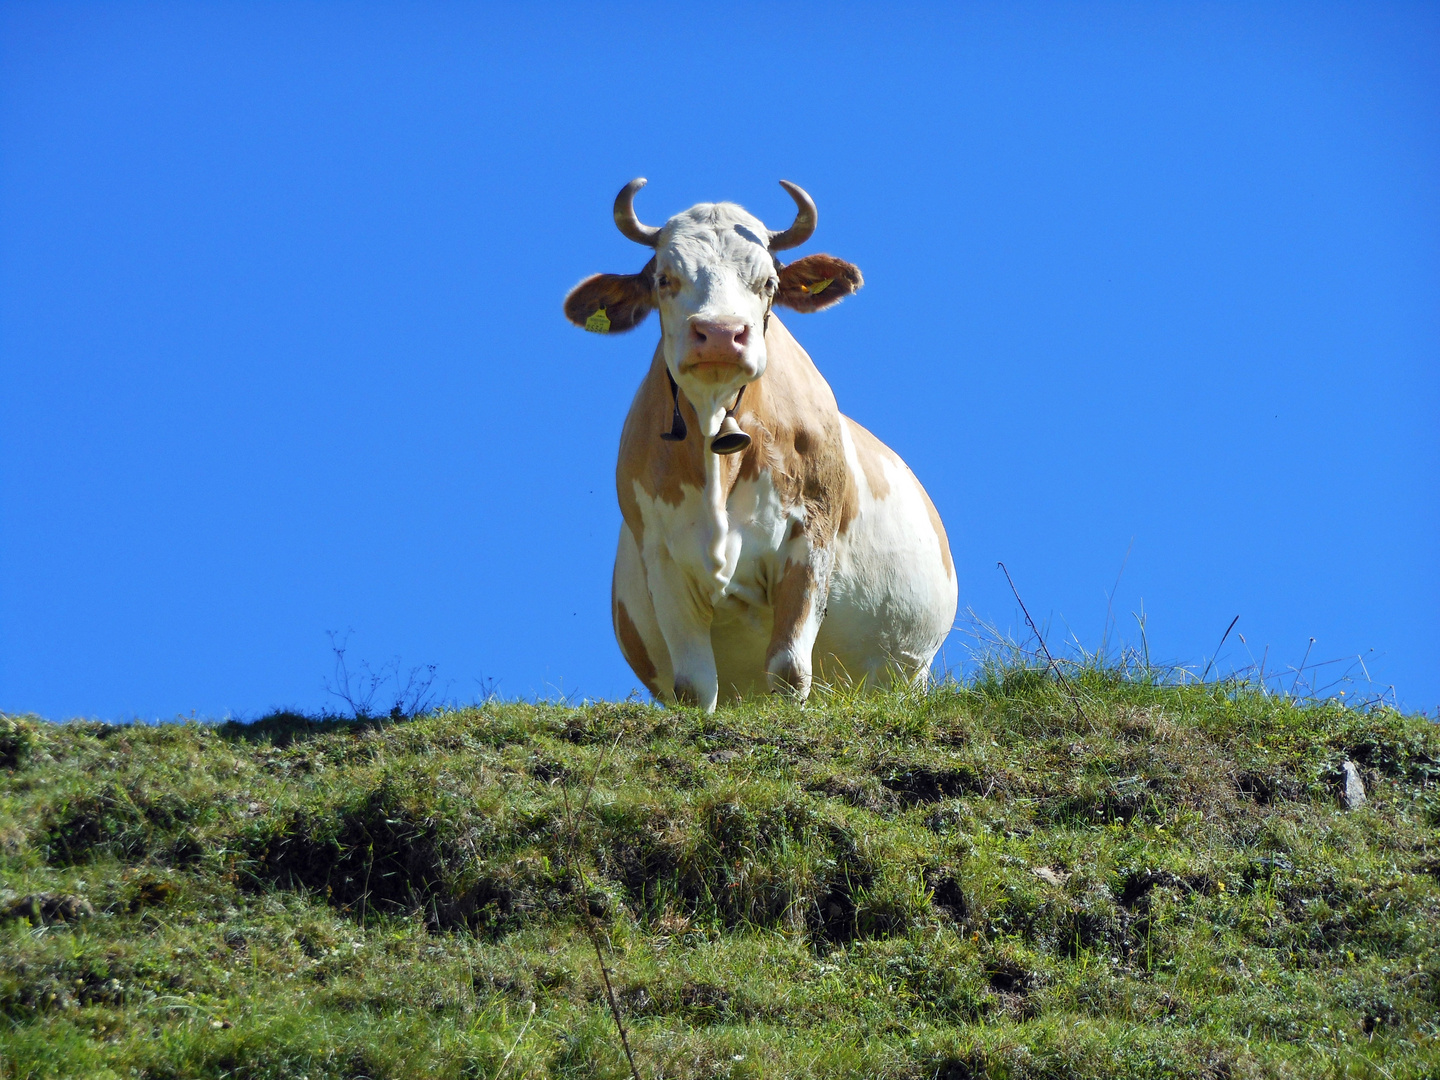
x=1301, y=668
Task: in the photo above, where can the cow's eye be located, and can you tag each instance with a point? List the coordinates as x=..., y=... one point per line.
x=663, y=281
x=771, y=285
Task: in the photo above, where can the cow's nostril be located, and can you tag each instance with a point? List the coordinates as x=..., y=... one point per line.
x=743, y=336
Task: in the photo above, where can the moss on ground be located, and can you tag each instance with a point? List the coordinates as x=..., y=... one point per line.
x=978, y=881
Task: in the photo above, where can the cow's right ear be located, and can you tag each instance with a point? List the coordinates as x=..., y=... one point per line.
x=612, y=303
x=816, y=282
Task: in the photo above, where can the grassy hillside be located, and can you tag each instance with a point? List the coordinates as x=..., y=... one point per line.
x=976, y=882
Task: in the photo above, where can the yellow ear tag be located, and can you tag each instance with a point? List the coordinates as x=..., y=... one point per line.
x=599, y=323
x=820, y=286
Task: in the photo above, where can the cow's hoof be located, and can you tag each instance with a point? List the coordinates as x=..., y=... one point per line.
x=788, y=679
x=689, y=694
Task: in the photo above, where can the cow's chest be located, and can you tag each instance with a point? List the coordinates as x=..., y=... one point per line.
x=728, y=548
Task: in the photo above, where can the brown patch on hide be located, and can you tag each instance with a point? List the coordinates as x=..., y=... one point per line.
x=872, y=454
x=662, y=469
x=632, y=647
x=803, y=283
x=939, y=528
x=799, y=439
x=625, y=298
x=794, y=599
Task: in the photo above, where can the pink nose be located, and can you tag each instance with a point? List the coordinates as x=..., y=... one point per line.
x=719, y=339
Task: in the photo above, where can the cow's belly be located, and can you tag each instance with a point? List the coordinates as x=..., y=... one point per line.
x=893, y=590
x=739, y=635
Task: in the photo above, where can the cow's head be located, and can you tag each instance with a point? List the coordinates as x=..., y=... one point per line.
x=714, y=278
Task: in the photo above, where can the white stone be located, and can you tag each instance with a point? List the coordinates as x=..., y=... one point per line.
x=1053, y=877
x=1354, y=787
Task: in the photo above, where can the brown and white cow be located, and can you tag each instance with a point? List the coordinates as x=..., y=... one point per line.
x=791, y=546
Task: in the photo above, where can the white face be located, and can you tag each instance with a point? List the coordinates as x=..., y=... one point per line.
x=714, y=282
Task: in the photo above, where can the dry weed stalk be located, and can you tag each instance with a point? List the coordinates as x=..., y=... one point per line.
x=1050, y=660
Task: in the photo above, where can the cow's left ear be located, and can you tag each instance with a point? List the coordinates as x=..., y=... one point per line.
x=612, y=303
x=817, y=281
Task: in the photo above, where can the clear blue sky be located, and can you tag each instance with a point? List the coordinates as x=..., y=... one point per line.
x=281, y=348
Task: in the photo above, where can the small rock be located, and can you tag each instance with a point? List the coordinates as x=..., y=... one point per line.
x=719, y=757
x=1052, y=877
x=1354, y=794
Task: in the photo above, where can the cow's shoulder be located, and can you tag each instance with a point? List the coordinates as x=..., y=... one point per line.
x=800, y=437
x=659, y=469
x=873, y=456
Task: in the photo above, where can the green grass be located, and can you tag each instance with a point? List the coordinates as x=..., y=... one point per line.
x=847, y=889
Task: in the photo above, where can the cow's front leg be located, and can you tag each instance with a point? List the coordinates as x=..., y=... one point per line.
x=684, y=615
x=799, y=603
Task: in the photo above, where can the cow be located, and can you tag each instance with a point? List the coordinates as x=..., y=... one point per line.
x=767, y=539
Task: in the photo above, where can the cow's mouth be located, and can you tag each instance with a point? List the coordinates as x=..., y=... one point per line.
x=715, y=371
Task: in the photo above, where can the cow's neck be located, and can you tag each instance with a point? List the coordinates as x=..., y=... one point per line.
x=716, y=529
x=718, y=475
x=710, y=411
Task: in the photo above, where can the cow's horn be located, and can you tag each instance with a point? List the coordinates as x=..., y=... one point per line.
x=625, y=219
x=804, y=225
